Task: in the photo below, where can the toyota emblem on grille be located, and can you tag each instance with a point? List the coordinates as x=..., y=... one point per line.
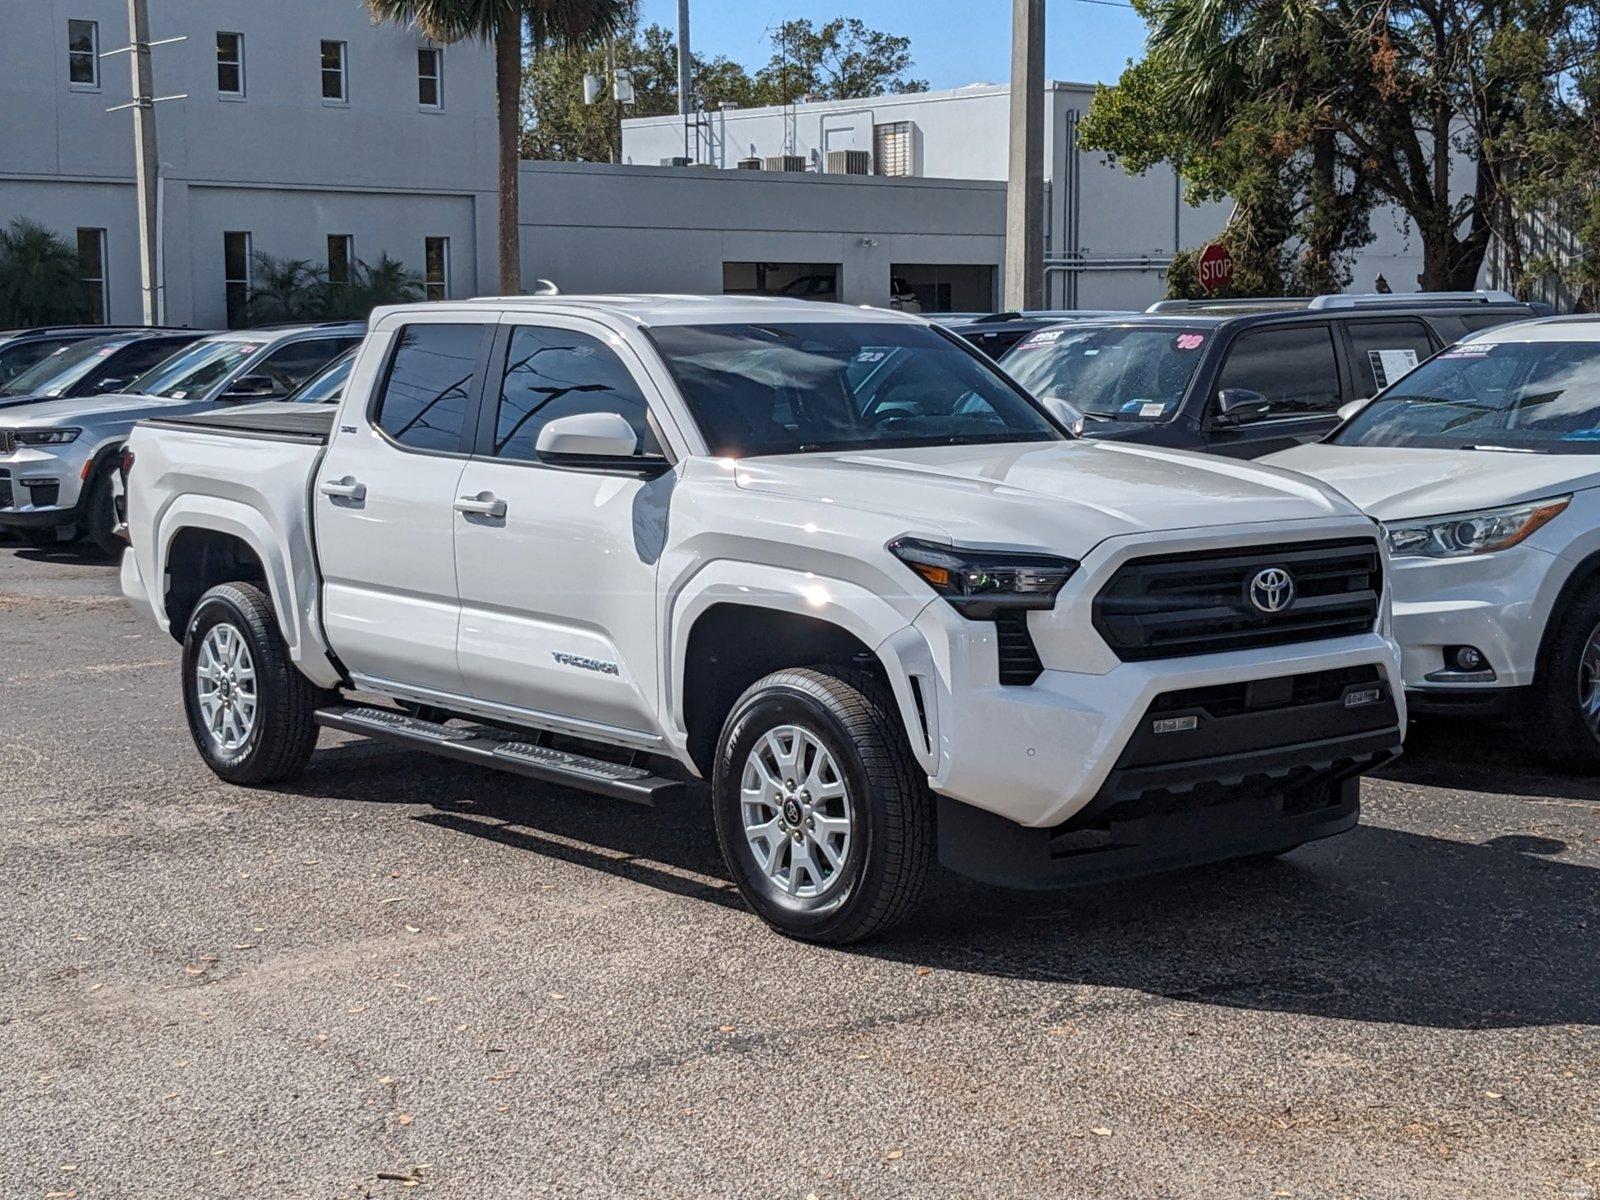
x=1272, y=590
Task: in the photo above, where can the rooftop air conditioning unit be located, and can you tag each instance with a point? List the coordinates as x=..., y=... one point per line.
x=849, y=162
x=749, y=164
x=786, y=162
x=680, y=161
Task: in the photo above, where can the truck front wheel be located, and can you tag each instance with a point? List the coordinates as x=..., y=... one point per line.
x=824, y=819
x=250, y=711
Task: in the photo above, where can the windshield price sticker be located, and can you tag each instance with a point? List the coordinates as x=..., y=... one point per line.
x=1154, y=408
x=1389, y=366
x=1475, y=350
x=871, y=356
x=1046, y=337
x=1189, y=341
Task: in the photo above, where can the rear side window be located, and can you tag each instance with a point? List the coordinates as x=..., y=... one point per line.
x=1385, y=352
x=430, y=384
x=553, y=373
x=1477, y=321
x=1295, y=368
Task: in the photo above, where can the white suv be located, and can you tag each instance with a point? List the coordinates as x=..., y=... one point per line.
x=1484, y=466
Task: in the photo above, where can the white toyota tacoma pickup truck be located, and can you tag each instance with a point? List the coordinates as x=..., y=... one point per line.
x=832, y=561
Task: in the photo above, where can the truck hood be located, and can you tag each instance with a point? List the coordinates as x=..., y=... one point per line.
x=114, y=406
x=1065, y=497
x=1394, y=483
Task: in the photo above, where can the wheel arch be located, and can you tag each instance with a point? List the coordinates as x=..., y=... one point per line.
x=1584, y=575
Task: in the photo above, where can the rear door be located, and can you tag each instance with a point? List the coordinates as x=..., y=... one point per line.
x=1385, y=351
x=384, y=506
x=1296, y=368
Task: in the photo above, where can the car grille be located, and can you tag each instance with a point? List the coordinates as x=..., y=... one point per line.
x=1173, y=605
x=8, y=441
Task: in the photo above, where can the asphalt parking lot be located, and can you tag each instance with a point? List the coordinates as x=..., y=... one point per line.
x=400, y=976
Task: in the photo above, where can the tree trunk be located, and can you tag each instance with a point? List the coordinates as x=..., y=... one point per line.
x=508, y=92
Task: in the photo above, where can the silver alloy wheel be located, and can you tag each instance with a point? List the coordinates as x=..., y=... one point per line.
x=796, y=812
x=225, y=678
x=1589, y=682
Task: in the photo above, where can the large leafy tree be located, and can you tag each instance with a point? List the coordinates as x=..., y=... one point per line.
x=504, y=24
x=40, y=277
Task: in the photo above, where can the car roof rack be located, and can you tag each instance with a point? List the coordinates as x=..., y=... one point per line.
x=1379, y=299
x=1256, y=303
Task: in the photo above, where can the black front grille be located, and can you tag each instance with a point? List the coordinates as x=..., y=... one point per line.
x=6, y=500
x=8, y=441
x=1019, y=658
x=1174, y=605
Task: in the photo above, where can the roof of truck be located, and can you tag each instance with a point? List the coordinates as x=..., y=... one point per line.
x=664, y=309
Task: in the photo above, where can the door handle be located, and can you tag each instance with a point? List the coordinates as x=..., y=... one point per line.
x=484, y=504
x=344, y=489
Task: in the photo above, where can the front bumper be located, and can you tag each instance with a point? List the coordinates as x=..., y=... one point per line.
x=42, y=487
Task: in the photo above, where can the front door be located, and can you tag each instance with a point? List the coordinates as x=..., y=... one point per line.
x=1296, y=369
x=557, y=569
x=384, y=508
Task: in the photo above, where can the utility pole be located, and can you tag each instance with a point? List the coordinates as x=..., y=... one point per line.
x=613, y=111
x=147, y=164
x=1024, y=286
x=685, y=62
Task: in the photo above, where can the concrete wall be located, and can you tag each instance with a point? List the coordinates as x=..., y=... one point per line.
x=598, y=228
x=280, y=162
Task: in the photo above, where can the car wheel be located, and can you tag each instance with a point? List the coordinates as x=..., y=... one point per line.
x=1567, y=690
x=251, y=713
x=39, y=539
x=824, y=819
x=100, y=517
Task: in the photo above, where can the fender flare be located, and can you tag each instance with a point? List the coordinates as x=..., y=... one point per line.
x=286, y=592
x=869, y=618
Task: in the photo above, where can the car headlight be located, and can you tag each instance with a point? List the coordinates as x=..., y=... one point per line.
x=1470, y=533
x=47, y=437
x=981, y=582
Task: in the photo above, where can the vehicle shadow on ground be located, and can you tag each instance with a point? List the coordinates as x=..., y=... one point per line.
x=1377, y=925
x=79, y=554
x=1481, y=756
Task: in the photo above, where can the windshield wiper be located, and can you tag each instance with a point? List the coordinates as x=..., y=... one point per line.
x=1506, y=449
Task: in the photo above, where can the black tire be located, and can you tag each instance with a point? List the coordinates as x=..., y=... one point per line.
x=853, y=715
x=1558, y=729
x=283, y=733
x=39, y=539
x=100, y=517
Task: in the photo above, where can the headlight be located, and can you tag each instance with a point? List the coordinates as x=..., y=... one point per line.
x=1470, y=533
x=980, y=582
x=47, y=437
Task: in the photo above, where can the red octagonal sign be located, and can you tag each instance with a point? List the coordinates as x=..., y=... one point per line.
x=1216, y=267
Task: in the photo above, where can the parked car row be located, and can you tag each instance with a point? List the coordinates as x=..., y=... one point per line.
x=893, y=601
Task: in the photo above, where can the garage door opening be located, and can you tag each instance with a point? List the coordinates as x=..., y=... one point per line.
x=941, y=289
x=803, y=281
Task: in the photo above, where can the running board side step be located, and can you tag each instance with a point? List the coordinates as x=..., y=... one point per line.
x=504, y=752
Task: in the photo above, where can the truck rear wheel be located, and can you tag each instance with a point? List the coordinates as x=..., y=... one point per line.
x=250, y=711
x=824, y=819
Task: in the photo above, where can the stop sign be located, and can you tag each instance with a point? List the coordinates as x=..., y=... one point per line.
x=1216, y=267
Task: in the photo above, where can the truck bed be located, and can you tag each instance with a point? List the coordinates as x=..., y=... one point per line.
x=311, y=424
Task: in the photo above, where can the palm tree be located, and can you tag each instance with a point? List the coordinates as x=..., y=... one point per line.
x=387, y=281
x=285, y=289
x=504, y=23
x=41, y=280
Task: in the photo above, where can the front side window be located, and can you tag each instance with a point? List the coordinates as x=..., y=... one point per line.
x=291, y=365
x=230, y=64
x=327, y=386
x=334, y=87
x=122, y=369
x=436, y=267
x=553, y=373
x=194, y=372
x=1116, y=373
x=92, y=273
x=63, y=367
x=1530, y=396
x=430, y=77
x=83, y=53
x=797, y=387
x=432, y=377
x=1295, y=368
x=16, y=359
x=236, y=277
x=1386, y=351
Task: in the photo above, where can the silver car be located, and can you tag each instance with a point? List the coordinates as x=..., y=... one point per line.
x=58, y=457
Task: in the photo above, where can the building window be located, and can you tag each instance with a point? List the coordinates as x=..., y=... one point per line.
x=436, y=267
x=894, y=149
x=92, y=273
x=230, y=64
x=83, y=53
x=236, y=277
x=430, y=77
x=334, y=88
x=341, y=253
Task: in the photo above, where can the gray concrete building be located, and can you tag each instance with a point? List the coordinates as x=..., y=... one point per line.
x=305, y=131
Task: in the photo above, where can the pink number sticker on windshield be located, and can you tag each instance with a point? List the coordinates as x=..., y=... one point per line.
x=1190, y=341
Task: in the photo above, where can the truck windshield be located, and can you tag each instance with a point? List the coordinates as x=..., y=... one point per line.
x=62, y=369
x=192, y=372
x=795, y=388
x=1116, y=373
x=1541, y=397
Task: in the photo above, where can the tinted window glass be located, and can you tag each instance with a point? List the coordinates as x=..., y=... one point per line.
x=60, y=369
x=192, y=372
x=1294, y=368
x=14, y=360
x=553, y=373
x=132, y=362
x=1384, y=352
x=1120, y=373
x=1516, y=395
x=1476, y=321
x=326, y=386
x=290, y=366
x=431, y=380
x=792, y=388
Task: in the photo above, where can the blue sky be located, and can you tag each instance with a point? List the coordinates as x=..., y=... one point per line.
x=955, y=41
